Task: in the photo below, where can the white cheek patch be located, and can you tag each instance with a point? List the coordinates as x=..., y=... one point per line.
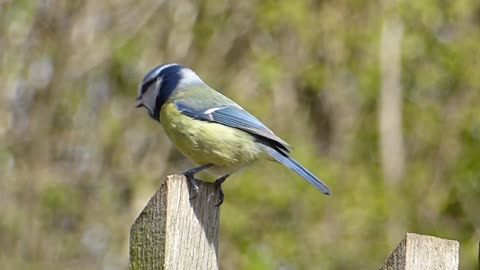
x=158, y=83
x=150, y=96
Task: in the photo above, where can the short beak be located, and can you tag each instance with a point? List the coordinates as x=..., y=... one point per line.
x=138, y=102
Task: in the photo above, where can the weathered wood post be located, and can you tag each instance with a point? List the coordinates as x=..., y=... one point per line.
x=174, y=232
x=422, y=252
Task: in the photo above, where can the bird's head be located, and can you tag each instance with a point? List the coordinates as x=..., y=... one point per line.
x=159, y=84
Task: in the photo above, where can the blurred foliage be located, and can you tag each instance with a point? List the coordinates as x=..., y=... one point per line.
x=78, y=162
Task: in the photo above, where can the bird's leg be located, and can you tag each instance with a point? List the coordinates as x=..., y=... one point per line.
x=192, y=171
x=190, y=175
x=218, y=185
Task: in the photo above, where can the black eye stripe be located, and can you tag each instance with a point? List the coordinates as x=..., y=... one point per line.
x=147, y=84
x=165, y=73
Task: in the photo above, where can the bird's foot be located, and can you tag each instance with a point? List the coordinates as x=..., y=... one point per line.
x=195, y=187
x=218, y=185
x=221, y=196
x=190, y=175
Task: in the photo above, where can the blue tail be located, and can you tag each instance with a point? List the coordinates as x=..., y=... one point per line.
x=296, y=167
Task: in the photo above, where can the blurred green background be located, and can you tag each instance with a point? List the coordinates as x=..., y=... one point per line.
x=379, y=98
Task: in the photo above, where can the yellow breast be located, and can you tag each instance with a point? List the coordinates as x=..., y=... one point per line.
x=205, y=142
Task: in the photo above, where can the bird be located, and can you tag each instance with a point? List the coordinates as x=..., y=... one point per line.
x=209, y=128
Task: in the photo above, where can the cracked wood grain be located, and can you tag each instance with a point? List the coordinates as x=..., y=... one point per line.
x=174, y=232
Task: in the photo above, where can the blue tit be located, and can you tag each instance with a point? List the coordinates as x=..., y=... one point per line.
x=209, y=128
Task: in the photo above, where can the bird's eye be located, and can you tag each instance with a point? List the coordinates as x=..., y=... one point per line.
x=145, y=85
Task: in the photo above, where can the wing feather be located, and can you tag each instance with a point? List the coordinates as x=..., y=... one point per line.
x=235, y=117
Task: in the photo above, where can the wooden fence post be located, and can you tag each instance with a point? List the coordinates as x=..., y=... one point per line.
x=174, y=232
x=422, y=252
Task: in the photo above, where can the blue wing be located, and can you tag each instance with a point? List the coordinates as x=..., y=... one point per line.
x=235, y=117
